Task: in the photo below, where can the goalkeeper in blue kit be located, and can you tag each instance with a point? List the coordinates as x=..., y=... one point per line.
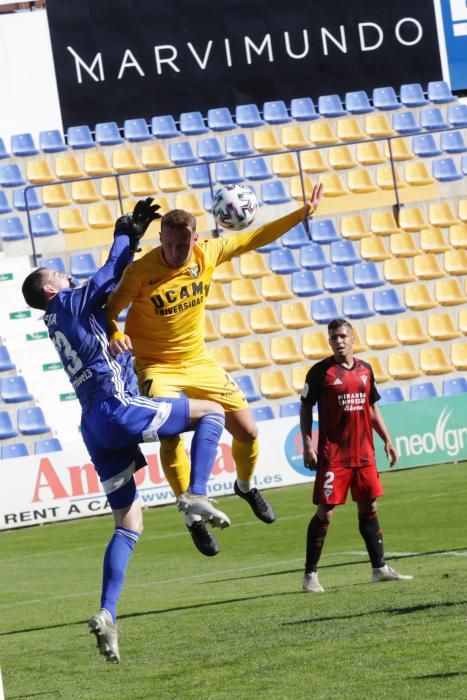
x=115, y=419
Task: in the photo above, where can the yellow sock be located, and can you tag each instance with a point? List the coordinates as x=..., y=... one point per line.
x=175, y=464
x=245, y=455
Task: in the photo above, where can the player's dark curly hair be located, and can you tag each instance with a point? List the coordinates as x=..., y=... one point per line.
x=179, y=218
x=32, y=289
x=338, y=323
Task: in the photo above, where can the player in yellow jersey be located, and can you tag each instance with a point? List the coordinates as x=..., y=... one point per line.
x=167, y=289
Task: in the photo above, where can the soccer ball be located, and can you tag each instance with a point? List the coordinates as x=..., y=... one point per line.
x=234, y=206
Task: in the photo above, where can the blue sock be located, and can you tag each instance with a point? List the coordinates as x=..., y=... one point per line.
x=116, y=558
x=204, y=450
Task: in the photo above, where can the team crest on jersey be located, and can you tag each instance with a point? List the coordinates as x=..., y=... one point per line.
x=194, y=271
x=364, y=378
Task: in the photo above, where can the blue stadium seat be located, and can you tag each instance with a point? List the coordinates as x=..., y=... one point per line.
x=181, y=153
x=19, y=200
x=14, y=390
x=31, y=421
x=198, y=175
x=274, y=193
x=210, y=149
x=440, y=92
x=269, y=247
x=42, y=225
x=52, y=141
x=453, y=142
x=303, y=109
x=275, y=112
x=356, y=306
x=207, y=200
x=323, y=231
x=136, y=130
x=17, y=449
x=457, y=115
x=457, y=385
x=263, y=413
x=7, y=429
x=247, y=386
x=335, y=279
x=296, y=237
x=47, y=445
x=192, y=123
x=357, y=102
x=290, y=409
x=330, y=106
x=366, y=275
x=11, y=176
x=5, y=360
x=3, y=152
x=79, y=137
x=343, y=253
x=432, y=118
x=426, y=390
x=386, y=301
x=55, y=263
x=82, y=265
x=11, y=229
x=4, y=203
x=405, y=123
x=256, y=169
x=392, y=395
x=412, y=95
x=324, y=309
x=227, y=172
x=108, y=134
x=237, y=145
x=312, y=257
x=220, y=119
x=425, y=146
x=445, y=170
x=164, y=127
x=385, y=98
x=248, y=116
x=464, y=165
x=23, y=145
x=282, y=262
x=304, y=284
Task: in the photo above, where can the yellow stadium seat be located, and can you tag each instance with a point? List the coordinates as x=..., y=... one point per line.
x=154, y=156
x=284, y=350
x=459, y=355
x=210, y=331
x=378, y=336
x=172, y=180
x=353, y=227
x=299, y=373
x=463, y=321
x=253, y=355
x=296, y=190
x=38, y=172
x=397, y=149
x=263, y=319
x=449, y=293
x=397, y=271
x=458, y=235
x=113, y=189
x=295, y=315
x=70, y=220
x=358, y=345
x=243, y=291
x=313, y=162
x=348, y=129
x=84, y=192
x=402, y=245
x=426, y=267
x=265, y=141
x=55, y=196
x=226, y=272
x=373, y=249
x=411, y=219
x=417, y=175
x=284, y=165
x=432, y=240
x=124, y=160
x=333, y=185
x=401, y=365
x=383, y=223
x=322, y=134
x=315, y=345
x=462, y=210
x=418, y=297
x=359, y=181
x=275, y=288
x=341, y=158
x=386, y=177
x=224, y=356
x=253, y=265
x=67, y=168
x=141, y=184
x=274, y=385
x=216, y=297
x=409, y=331
x=232, y=324
x=100, y=216
x=96, y=163
x=441, y=327
x=190, y=202
x=368, y=153
x=455, y=262
x=441, y=215
x=434, y=361
x=379, y=372
x=378, y=125
x=293, y=137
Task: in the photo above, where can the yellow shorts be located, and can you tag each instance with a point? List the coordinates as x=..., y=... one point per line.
x=197, y=378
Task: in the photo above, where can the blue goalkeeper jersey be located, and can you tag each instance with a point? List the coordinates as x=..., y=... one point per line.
x=76, y=326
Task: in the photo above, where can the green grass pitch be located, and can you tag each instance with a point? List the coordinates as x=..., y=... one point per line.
x=238, y=626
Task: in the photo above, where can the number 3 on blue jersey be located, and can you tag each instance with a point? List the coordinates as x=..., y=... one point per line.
x=72, y=363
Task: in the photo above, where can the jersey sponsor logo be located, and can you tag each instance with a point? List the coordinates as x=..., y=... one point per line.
x=172, y=301
x=81, y=378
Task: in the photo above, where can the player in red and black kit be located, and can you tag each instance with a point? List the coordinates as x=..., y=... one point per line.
x=344, y=389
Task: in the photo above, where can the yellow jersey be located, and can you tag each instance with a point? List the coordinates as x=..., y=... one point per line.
x=166, y=318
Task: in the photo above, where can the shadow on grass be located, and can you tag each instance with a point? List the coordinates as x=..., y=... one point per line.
x=449, y=674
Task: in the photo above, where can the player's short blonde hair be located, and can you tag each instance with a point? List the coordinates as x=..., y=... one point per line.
x=178, y=218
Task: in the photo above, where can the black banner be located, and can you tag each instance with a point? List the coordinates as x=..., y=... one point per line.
x=120, y=59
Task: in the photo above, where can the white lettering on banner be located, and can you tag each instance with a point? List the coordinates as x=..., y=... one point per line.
x=129, y=61
x=259, y=50
x=306, y=45
x=201, y=63
x=228, y=53
x=89, y=69
x=451, y=441
x=418, y=35
x=342, y=45
x=170, y=59
x=370, y=47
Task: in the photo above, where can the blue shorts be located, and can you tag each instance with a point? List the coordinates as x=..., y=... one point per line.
x=112, y=431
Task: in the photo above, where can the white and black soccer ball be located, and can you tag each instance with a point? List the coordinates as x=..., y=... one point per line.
x=234, y=206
